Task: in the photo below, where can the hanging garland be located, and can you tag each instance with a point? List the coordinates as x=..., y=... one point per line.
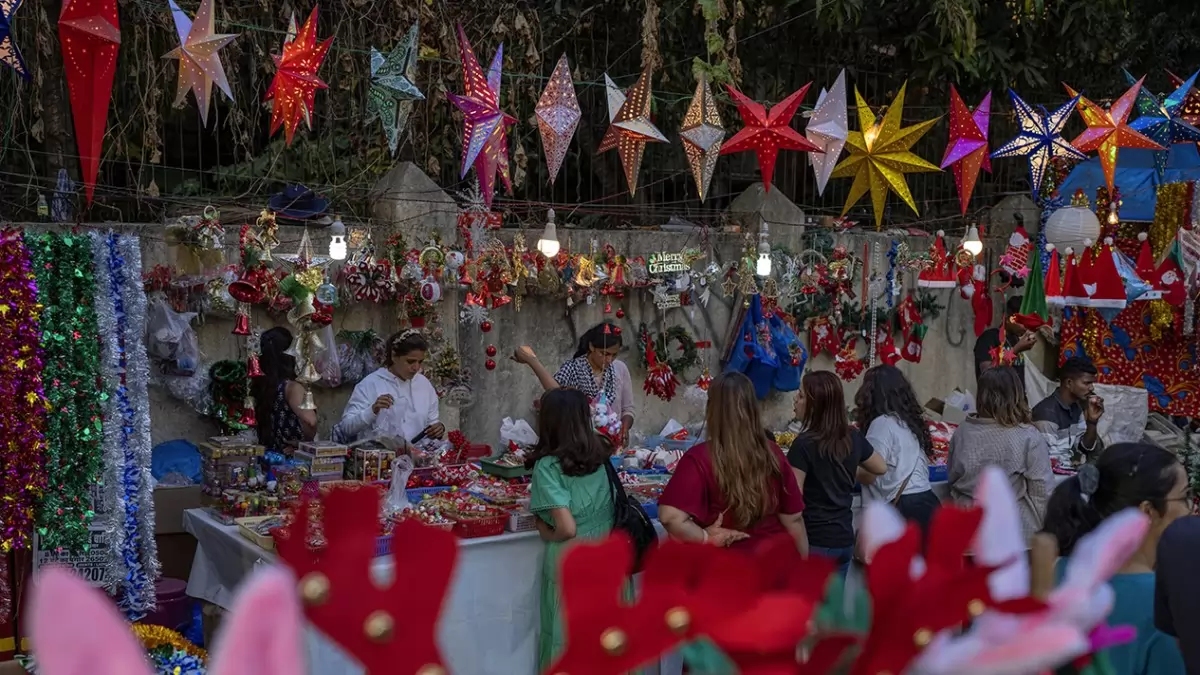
x=169, y=652
x=674, y=336
x=229, y=391
x=71, y=375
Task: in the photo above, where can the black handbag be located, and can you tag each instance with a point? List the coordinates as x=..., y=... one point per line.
x=630, y=518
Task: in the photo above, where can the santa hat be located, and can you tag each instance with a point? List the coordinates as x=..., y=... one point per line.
x=1109, y=290
x=1073, y=293
x=1168, y=278
x=1145, y=259
x=1033, y=303
x=1054, y=285
x=940, y=273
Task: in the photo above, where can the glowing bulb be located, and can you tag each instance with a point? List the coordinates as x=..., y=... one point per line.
x=548, y=244
x=337, y=239
x=1112, y=215
x=763, y=268
x=972, y=243
x=870, y=135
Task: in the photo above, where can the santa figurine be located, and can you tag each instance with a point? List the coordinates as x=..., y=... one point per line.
x=1015, y=260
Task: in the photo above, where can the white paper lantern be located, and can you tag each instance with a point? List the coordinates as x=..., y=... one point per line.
x=1070, y=226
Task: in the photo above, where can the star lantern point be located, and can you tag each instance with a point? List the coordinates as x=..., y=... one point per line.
x=967, y=151
x=827, y=129
x=1040, y=138
x=90, y=36
x=393, y=91
x=294, y=89
x=1108, y=130
x=9, y=54
x=630, y=128
x=485, y=126
x=558, y=116
x=1164, y=121
x=766, y=133
x=199, y=57
x=703, y=135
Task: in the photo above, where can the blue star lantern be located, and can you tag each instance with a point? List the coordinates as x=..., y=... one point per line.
x=1161, y=122
x=1040, y=138
x=9, y=54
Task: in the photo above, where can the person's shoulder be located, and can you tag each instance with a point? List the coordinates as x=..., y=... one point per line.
x=990, y=336
x=1181, y=539
x=548, y=463
x=372, y=378
x=1045, y=405
x=423, y=382
x=620, y=368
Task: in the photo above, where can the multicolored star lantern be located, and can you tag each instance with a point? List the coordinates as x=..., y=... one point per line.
x=768, y=133
x=294, y=89
x=703, y=135
x=630, y=128
x=1107, y=130
x=1190, y=112
x=199, y=57
x=1161, y=121
x=1040, y=138
x=485, y=126
x=558, y=116
x=393, y=91
x=90, y=36
x=9, y=54
x=828, y=127
x=881, y=154
x=967, y=150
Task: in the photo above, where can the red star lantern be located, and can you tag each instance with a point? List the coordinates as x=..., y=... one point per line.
x=90, y=35
x=967, y=150
x=294, y=89
x=768, y=133
x=1108, y=131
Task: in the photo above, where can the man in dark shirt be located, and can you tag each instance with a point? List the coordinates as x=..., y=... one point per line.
x=1177, y=590
x=1068, y=416
x=1016, y=338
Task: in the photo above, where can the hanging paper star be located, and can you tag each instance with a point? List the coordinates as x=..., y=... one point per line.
x=1040, y=138
x=294, y=89
x=630, y=128
x=392, y=91
x=485, y=127
x=199, y=57
x=703, y=135
x=9, y=54
x=90, y=36
x=881, y=154
x=968, y=149
x=827, y=129
x=1190, y=111
x=558, y=116
x=1107, y=131
x=768, y=133
x=292, y=29
x=1161, y=121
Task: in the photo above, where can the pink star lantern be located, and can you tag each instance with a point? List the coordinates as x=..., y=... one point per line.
x=199, y=60
x=1108, y=131
x=768, y=133
x=557, y=116
x=485, y=126
x=968, y=147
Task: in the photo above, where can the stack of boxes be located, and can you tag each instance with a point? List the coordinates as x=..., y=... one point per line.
x=326, y=460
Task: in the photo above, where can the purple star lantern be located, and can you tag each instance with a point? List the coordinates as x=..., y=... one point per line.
x=485, y=126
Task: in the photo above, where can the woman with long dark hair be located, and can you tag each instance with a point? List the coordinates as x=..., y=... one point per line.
x=1127, y=476
x=736, y=488
x=829, y=458
x=570, y=495
x=1001, y=433
x=896, y=428
x=594, y=370
x=282, y=423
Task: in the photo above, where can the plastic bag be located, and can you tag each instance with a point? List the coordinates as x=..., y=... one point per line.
x=397, y=499
x=171, y=338
x=356, y=354
x=518, y=432
x=327, y=359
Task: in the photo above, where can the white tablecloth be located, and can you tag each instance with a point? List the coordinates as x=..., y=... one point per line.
x=489, y=624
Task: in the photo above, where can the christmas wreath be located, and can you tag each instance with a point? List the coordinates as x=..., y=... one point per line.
x=689, y=355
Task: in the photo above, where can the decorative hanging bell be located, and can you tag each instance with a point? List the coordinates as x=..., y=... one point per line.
x=253, y=368
x=248, y=417
x=247, y=288
x=308, y=374
x=308, y=403
x=241, y=324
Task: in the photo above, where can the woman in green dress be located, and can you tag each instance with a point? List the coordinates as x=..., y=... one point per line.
x=571, y=497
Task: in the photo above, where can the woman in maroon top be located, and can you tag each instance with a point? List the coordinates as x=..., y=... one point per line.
x=736, y=489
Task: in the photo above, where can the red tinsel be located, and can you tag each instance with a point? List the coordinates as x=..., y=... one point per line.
x=660, y=379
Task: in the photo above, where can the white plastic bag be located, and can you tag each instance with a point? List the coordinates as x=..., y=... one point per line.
x=171, y=338
x=518, y=432
x=327, y=360
x=397, y=499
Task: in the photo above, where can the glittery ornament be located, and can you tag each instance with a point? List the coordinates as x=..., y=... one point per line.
x=1040, y=138
x=486, y=326
x=199, y=57
x=1162, y=121
x=558, y=116
x=620, y=314
x=880, y=155
x=491, y=350
x=393, y=91
x=1108, y=131
x=767, y=133
x=9, y=54
x=490, y=364
x=630, y=128
x=90, y=36
x=293, y=91
x=967, y=150
x=703, y=135
x=485, y=126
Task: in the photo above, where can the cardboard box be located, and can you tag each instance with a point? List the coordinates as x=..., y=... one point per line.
x=175, y=554
x=169, y=504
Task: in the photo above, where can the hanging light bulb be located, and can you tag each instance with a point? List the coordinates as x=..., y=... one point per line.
x=337, y=239
x=548, y=244
x=763, y=269
x=1113, y=219
x=972, y=242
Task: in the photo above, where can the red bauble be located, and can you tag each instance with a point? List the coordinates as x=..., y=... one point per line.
x=486, y=326
x=621, y=295
x=620, y=314
x=490, y=364
x=616, y=330
x=795, y=362
x=491, y=350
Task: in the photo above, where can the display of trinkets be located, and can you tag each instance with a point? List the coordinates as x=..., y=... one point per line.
x=371, y=464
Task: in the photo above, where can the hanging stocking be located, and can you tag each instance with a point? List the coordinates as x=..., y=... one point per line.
x=823, y=336
x=913, y=345
x=848, y=364
x=885, y=347
x=908, y=313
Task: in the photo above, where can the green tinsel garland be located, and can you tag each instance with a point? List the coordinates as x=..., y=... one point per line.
x=71, y=376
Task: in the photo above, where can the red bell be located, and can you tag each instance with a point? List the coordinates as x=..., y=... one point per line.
x=248, y=417
x=490, y=364
x=241, y=324
x=607, y=308
x=247, y=288
x=253, y=369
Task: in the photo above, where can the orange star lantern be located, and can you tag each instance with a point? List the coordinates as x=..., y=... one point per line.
x=296, y=83
x=1107, y=130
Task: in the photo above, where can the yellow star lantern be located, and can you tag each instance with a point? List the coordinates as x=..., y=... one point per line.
x=880, y=156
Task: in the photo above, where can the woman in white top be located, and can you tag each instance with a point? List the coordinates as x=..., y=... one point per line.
x=395, y=400
x=896, y=428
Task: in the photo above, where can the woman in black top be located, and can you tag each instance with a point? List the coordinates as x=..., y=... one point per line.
x=829, y=458
x=282, y=423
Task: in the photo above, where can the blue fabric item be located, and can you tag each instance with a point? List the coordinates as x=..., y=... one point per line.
x=178, y=456
x=1136, y=177
x=757, y=361
x=840, y=556
x=787, y=377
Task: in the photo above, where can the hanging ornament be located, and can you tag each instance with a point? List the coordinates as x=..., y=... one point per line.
x=768, y=133
x=9, y=54
x=620, y=313
x=241, y=323
x=967, y=150
x=1190, y=111
x=293, y=90
x=393, y=90
x=1108, y=131
x=828, y=129
x=848, y=364
x=630, y=128
x=491, y=350
x=1040, y=138
x=703, y=135
x=1162, y=121
x=914, y=343
x=486, y=326
x=474, y=315
x=489, y=364
x=485, y=126
x=90, y=36
x=558, y=116
x=253, y=368
x=199, y=54
x=248, y=417
x=431, y=290
x=1015, y=260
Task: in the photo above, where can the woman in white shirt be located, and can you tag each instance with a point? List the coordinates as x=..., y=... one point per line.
x=896, y=428
x=395, y=400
